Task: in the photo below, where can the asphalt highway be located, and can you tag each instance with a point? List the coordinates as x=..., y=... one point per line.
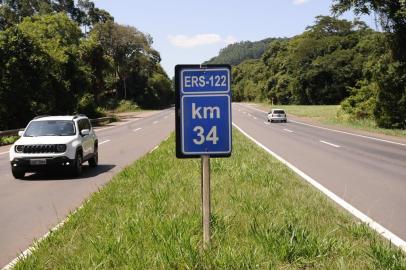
x=29, y=208
x=367, y=172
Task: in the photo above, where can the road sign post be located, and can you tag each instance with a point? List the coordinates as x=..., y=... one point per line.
x=203, y=122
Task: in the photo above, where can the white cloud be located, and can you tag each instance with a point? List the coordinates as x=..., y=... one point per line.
x=300, y=2
x=184, y=41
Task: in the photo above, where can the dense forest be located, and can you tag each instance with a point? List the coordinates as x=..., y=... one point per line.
x=66, y=56
x=237, y=53
x=336, y=62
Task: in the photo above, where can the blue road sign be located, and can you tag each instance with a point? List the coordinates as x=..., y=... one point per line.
x=203, y=111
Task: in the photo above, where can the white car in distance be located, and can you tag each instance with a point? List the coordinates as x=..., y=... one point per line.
x=277, y=115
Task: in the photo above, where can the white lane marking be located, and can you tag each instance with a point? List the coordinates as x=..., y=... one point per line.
x=155, y=122
x=249, y=115
x=338, y=131
x=244, y=112
x=135, y=130
x=394, y=239
x=155, y=148
x=266, y=123
x=255, y=118
x=239, y=110
x=288, y=130
x=331, y=144
x=4, y=153
x=106, y=141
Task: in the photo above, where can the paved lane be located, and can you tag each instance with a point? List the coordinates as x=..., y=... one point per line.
x=368, y=173
x=30, y=207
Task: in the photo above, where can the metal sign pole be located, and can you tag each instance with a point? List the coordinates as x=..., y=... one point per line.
x=206, y=199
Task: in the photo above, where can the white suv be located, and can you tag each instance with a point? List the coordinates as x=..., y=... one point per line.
x=277, y=115
x=54, y=141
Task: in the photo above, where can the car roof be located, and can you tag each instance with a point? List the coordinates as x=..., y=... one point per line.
x=60, y=118
x=278, y=110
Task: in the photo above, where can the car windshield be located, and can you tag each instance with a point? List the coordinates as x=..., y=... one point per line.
x=279, y=111
x=50, y=128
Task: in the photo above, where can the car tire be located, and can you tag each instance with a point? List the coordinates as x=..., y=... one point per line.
x=77, y=166
x=18, y=173
x=269, y=120
x=94, y=161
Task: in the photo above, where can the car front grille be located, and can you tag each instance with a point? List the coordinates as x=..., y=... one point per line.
x=41, y=149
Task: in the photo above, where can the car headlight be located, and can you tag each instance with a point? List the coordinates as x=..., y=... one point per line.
x=19, y=148
x=60, y=148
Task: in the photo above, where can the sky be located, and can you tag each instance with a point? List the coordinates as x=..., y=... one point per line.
x=191, y=32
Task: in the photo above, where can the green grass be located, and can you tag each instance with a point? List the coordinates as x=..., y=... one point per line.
x=332, y=115
x=8, y=140
x=126, y=106
x=263, y=217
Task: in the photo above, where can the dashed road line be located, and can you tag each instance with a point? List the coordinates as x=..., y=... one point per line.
x=288, y=130
x=106, y=141
x=155, y=122
x=135, y=130
x=266, y=123
x=4, y=153
x=331, y=144
x=255, y=118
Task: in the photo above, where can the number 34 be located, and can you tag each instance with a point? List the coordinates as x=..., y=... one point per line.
x=210, y=137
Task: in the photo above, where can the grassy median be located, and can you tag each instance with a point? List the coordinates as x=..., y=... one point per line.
x=264, y=217
x=332, y=115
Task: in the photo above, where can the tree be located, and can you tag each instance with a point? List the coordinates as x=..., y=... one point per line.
x=389, y=75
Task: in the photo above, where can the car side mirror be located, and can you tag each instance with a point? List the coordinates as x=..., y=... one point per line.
x=21, y=133
x=85, y=132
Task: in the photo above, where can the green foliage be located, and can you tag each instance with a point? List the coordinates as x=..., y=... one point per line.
x=8, y=140
x=49, y=66
x=87, y=106
x=317, y=67
x=236, y=53
x=389, y=73
x=334, y=61
x=126, y=106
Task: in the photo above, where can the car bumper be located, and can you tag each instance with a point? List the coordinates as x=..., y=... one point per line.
x=27, y=164
x=277, y=118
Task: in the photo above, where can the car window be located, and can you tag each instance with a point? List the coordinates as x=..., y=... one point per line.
x=279, y=111
x=50, y=128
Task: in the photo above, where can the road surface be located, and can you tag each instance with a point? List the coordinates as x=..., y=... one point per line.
x=369, y=173
x=30, y=207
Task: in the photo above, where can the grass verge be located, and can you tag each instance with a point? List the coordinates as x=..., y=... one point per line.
x=331, y=115
x=264, y=217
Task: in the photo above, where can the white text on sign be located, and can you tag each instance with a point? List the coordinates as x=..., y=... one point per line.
x=200, y=81
x=214, y=112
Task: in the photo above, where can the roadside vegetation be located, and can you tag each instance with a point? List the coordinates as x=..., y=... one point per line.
x=334, y=115
x=264, y=217
x=63, y=57
x=8, y=140
x=334, y=62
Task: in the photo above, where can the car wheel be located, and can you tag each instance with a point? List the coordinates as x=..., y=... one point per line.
x=18, y=173
x=269, y=120
x=77, y=166
x=94, y=161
